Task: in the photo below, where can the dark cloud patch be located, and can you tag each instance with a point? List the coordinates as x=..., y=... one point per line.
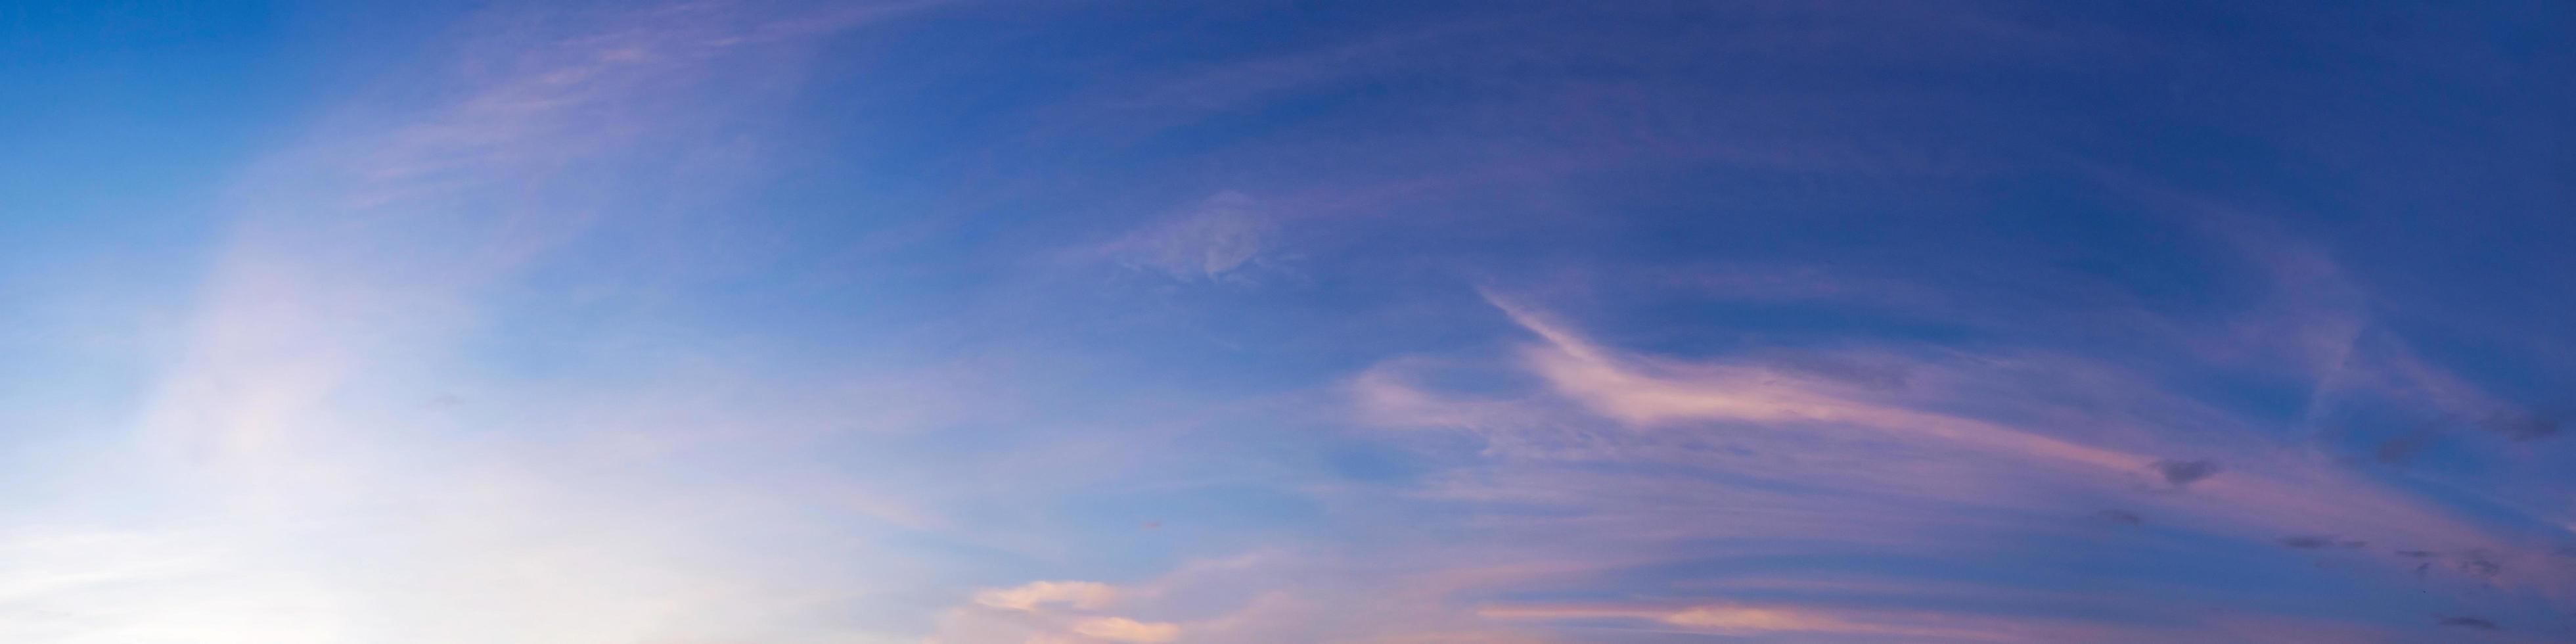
x=2469, y=622
x=2352, y=544
x=2308, y=542
x=2180, y=473
x=2521, y=426
x=2122, y=517
x=2415, y=554
x=2480, y=567
x=2402, y=449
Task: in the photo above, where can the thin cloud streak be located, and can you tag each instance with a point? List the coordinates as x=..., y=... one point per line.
x=1744, y=420
x=357, y=267
x=1019, y=323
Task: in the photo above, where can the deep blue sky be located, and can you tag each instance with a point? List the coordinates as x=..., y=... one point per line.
x=1005, y=322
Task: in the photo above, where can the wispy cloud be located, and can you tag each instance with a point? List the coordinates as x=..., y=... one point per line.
x=1121, y=629
x=1771, y=622
x=1770, y=455
x=1049, y=611
x=1222, y=238
x=791, y=321
x=1033, y=595
x=356, y=273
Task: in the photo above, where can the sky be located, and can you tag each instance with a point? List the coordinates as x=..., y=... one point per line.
x=1271, y=321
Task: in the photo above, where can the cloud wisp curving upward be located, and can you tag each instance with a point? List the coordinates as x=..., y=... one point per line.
x=1007, y=322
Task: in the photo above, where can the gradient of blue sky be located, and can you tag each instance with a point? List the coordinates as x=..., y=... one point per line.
x=1001, y=322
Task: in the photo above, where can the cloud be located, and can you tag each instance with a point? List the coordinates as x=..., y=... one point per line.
x=1121, y=629
x=1034, y=595
x=1049, y=611
x=2481, y=567
x=1278, y=597
x=65, y=584
x=1841, y=624
x=2403, y=448
x=2468, y=622
x=2316, y=542
x=2181, y=473
x=1217, y=239
x=1752, y=403
x=1651, y=393
x=1748, y=619
x=2521, y=425
x=359, y=271
x=1736, y=459
x=732, y=503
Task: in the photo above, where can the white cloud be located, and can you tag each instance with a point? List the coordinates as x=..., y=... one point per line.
x=1216, y=239
x=310, y=498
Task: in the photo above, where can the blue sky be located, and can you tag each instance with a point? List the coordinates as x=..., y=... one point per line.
x=1079, y=322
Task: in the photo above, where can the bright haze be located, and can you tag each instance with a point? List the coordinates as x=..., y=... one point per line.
x=1285, y=322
